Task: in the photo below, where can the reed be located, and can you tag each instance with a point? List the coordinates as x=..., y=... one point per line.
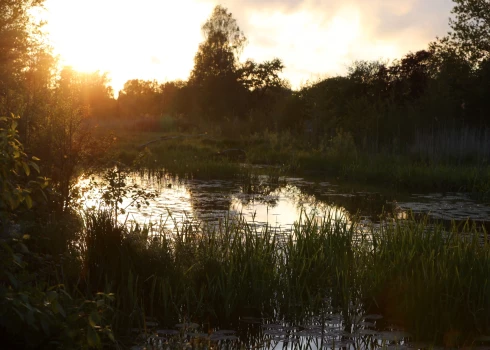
x=428, y=279
x=432, y=280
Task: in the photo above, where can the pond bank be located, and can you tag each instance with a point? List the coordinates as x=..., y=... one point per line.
x=193, y=157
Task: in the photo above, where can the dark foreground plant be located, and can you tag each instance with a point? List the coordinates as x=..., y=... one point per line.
x=428, y=280
x=432, y=282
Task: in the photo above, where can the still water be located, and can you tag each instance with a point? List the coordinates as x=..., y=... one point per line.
x=277, y=202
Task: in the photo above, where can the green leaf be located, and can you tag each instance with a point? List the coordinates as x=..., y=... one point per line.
x=35, y=167
x=94, y=319
x=12, y=279
x=28, y=201
x=93, y=339
x=45, y=325
x=111, y=335
x=29, y=318
x=52, y=296
x=27, y=170
x=59, y=308
x=35, y=158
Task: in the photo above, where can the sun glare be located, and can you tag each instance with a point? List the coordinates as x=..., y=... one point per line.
x=157, y=39
x=148, y=39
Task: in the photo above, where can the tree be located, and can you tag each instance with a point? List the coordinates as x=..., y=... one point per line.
x=410, y=75
x=223, y=42
x=139, y=98
x=89, y=92
x=215, y=77
x=26, y=66
x=18, y=32
x=264, y=86
x=471, y=27
x=65, y=140
x=262, y=76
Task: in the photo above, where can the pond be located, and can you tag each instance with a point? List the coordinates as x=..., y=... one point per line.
x=278, y=202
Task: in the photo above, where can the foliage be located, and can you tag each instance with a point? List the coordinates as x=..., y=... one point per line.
x=342, y=146
x=66, y=139
x=139, y=98
x=38, y=316
x=471, y=27
x=223, y=41
x=116, y=191
x=15, y=168
x=19, y=32
x=234, y=269
x=430, y=278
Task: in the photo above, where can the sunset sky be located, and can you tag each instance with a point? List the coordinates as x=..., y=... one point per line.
x=157, y=39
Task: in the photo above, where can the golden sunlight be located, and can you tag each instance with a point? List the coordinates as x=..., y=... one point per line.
x=156, y=39
x=150, y=39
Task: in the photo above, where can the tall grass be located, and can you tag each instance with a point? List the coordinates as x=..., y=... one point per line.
x=448, y=161
x=431, y=281
x=466, y=145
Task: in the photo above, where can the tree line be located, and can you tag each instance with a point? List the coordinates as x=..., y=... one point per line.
x=445, y=86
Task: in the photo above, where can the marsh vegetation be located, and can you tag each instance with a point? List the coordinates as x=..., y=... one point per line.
x=231, y=211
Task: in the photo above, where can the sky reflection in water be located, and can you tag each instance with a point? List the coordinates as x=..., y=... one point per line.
x=278, y=204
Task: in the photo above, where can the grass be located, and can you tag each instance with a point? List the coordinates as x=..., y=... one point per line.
x=431, y=281
x=415, y=171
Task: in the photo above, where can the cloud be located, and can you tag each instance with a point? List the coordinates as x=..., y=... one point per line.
x=156, y=39
x=323, y=37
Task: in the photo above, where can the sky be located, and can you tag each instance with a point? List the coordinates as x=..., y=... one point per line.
x=157, y=39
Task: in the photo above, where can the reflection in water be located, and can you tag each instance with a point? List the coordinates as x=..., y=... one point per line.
x=278, y=204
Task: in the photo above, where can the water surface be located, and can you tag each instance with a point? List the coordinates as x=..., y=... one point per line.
x=279, y=203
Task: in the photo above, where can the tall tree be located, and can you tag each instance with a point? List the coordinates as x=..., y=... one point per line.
x=223, y=42
x=215, y=75
x=18, y=41
x=471, y=27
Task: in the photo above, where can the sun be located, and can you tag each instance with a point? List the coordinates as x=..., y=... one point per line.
x=148, y=39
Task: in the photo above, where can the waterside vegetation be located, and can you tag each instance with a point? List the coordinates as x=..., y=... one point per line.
x=339, y=158
x=108, y=279
x=72, y=278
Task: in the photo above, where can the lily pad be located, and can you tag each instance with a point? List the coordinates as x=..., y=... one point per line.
x=373, y=317
x=392, y=336
x=167, y=332
x=187, y=325
x=272, y=326
x=218, y=337
x=225, y=331
x=366, y=332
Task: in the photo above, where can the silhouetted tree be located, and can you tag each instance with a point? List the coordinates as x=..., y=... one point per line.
x=264, y=84
x=26, y=64
x=215, y=77
x=139, y=98
x=471, y=27
x=17, y=42
x=410, y=75
x=223, y=42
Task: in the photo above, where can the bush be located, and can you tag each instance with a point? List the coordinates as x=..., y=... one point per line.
x=341, y=146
